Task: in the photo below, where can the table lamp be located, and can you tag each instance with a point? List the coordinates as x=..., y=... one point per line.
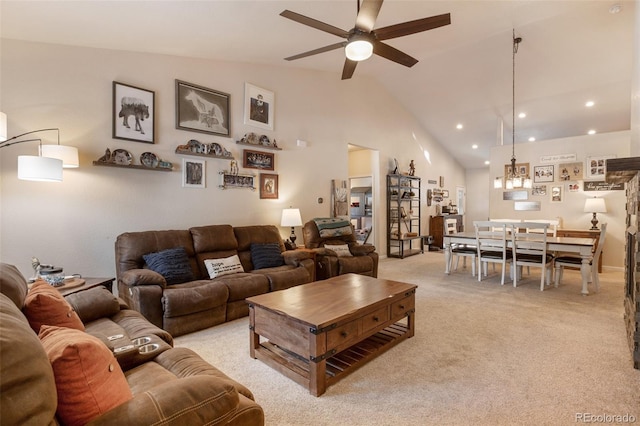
x=291, y=217
x=595, y=205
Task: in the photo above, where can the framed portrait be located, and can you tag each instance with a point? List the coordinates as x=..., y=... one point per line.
x=556, y=193
x=596, y=167
x=199, y=109
x=133, y=113
x=193, y=173
x=522, y=169
x=539, y=190
x=258, y=160
x=268, y=185
x=543, y=174
x=570, y=171
x=259, y=107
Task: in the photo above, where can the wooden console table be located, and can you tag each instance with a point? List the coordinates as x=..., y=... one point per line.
x=583, y=233
x=317, y=333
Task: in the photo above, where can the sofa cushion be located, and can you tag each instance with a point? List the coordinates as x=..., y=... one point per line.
x=196, y=296
x=266, y=255
x=12, y=284
x=94, y=303
x=341, y=250
x=28, y=389
x=88, y=378
x=224, y=266
x=44, y=305
x=172, y=264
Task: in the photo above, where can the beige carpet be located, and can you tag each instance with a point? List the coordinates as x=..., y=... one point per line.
x=483, y=354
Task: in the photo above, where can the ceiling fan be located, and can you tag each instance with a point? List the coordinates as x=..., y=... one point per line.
x=362, y=40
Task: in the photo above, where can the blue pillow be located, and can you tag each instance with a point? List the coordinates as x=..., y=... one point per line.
x=172, y=264
x=266, y=255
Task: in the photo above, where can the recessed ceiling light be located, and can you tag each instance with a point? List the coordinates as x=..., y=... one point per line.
x=474, y=146
x=459, y=126
x=487, y=162
x=522, y=115
x=532, y=139
x=591, y=132
x=589, y=104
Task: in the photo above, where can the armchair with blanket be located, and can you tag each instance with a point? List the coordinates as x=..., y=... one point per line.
x=337, y=251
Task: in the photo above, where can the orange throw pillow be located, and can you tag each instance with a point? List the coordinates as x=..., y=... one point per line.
x=44, y=305
x=89, y=379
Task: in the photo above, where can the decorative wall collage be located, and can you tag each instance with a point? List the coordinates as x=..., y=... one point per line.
x=557, y=175
x=204, y=110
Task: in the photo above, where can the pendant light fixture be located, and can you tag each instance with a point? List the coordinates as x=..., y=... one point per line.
x=515, y=180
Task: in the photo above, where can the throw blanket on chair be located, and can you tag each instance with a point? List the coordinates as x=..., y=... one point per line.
x=333, y=227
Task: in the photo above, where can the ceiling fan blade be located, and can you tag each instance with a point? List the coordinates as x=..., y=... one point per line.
x=316, y=51
x=348, y=69
x=393, y=54
x=314, y=23
x=412, y=27
x=367, y=14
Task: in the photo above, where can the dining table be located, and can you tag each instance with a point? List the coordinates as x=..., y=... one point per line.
x=580, y=246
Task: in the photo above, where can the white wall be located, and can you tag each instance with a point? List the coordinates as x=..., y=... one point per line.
x=75, y=223
x=570, y=210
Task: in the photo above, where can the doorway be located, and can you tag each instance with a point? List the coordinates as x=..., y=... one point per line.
x=364, y=173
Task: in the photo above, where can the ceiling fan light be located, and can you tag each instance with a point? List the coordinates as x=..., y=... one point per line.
x=359, y=50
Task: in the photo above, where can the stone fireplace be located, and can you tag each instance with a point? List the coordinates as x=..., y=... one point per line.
x=627, y=170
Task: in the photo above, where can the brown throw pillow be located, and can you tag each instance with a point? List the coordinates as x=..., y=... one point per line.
x=89, y=379
x=45, y=305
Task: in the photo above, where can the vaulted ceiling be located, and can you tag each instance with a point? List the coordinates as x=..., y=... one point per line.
x=572, y=52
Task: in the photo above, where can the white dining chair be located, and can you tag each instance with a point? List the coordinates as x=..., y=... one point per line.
x=576, y=261
x=491, y=244
x=530, y=250
x=460, y=250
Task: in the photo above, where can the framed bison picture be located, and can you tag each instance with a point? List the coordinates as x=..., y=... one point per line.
x=133, y=113
x=199, y=109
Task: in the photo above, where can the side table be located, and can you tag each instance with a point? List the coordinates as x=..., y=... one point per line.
x=89, y=282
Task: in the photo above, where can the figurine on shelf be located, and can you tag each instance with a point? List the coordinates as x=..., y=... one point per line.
x=106, y=158
x=412, y=169
x=234, y=168
x=275, y=144
x=395, y=171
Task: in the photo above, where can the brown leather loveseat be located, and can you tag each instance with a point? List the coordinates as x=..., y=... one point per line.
x=64, y=375
x=197, y=301
x=337, y=250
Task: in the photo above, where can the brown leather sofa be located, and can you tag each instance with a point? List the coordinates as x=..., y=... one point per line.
x=363, y=259
x=203, y=302
x=171, y=386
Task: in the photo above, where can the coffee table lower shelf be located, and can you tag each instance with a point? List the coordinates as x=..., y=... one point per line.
x=339, y=365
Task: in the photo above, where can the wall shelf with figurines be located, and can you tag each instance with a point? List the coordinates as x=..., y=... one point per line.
x=209, y=150
x=123, y=159
x=262, y=141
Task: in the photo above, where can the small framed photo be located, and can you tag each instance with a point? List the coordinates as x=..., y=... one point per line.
x=522, y=169
x=573, y=187
x=258, y=160
x=597, y=166
x=543, y=174
x=199, y=109
x=445, y=193
x=539, y=190
x=259, y=107
x=133, y=113
x=556, y=194
x=268, y=185
x=193, y=173
x=570, y=171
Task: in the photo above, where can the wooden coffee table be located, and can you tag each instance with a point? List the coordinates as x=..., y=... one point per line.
x=318, y=333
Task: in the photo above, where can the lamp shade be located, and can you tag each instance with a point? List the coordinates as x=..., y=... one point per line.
x=595, y=205
x=68, y=154
x=359, y=50
x=3, y=127
x=291, y=217
x=45, y=169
